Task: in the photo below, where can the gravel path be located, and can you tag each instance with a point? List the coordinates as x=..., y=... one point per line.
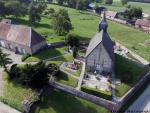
x=1, y=82
x=6, y=109
x=142, y=103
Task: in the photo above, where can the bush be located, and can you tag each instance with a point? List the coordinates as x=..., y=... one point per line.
x=14, y=72
x=103, y=94
x=24, y=57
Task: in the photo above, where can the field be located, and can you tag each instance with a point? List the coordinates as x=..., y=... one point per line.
x=60, y=102
x=51, y=102
x=117, y=6
x=86, y=25
x=125, y=68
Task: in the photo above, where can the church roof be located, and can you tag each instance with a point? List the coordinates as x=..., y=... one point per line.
x=101, y=37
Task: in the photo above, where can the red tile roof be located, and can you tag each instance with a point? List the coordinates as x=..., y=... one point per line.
x=141, y=22
x=20, y=34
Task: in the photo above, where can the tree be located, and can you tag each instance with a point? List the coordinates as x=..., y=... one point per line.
x=61, y=22
x=108, y=1
x=133, y=12
x=72, y=40
x=2, y=9
x=124, y=2
x=4, y=60
x=35, y=11
x=38, y=75
x=75, y=52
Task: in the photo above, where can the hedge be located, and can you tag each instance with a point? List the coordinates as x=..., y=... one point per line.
x=103, y=94
x=24, y=57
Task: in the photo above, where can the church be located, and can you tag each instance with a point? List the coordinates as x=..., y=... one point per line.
x=100, y=57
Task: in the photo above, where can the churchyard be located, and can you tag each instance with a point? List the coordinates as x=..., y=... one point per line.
x=85, y=26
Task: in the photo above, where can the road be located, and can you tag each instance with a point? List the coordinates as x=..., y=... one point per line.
x=142, y=103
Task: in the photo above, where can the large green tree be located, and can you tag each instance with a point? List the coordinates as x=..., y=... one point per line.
x=35, y=11
x=4, y=60
x=124, y=2
x=61, y=22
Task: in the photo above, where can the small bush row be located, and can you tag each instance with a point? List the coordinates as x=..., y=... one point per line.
x=103, y=94
x=24, y=57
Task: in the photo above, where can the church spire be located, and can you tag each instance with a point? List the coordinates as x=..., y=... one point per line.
x=103, y=23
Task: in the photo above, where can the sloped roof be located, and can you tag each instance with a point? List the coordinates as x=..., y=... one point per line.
x=101, y=37
x=143, y=22
x=20, y=34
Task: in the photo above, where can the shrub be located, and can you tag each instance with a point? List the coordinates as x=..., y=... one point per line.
x=14, y=72
x=103, y=94
x=24, y=57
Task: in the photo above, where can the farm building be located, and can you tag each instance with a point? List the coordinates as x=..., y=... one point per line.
x=100, y=52
x=143, y=24
x=20, y=39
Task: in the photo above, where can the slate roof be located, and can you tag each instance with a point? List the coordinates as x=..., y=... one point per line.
x=142, y=22
x=101, y=37
x=19, y=34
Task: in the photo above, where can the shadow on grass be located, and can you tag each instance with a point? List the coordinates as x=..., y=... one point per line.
x=20, y=21
x=47, y=53
x=60, y=102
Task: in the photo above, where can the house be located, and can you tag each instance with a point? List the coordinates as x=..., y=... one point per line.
x=143, y=24
x=100, y=52
x=20, y=39
x=111, y=14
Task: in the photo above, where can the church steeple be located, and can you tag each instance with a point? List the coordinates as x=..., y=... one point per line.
x=103, y=23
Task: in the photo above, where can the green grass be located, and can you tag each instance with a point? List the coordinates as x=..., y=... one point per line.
x=46, y=54
x=60, y=102
x=66, y=79
x=129, y=68
x=117, y=6
x=14, y=93
x=86, y=25
x=61, y=59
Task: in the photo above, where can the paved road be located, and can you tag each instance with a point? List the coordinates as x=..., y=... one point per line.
x=142, y=103
x=6, y=109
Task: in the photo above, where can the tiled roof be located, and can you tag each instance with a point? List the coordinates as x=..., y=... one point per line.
x=20, y=34
x=101, y=37
x=142, y=22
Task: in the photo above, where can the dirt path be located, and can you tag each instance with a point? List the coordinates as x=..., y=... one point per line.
x=6, y=109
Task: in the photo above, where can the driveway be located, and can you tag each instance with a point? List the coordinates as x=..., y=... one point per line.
x=6, y=109
x=142, y=103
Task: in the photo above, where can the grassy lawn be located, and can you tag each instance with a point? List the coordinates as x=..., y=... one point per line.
x=14, y=93
x=66, y=79
x=60, y=102
x=86, y=25
x=46, y=54
x=124, y=67
x=61, y=59
x=117, y=6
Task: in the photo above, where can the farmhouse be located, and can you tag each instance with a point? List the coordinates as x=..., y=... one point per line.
x=143, y=24
x=100, y=52
x=111, y=14
x=20, y=39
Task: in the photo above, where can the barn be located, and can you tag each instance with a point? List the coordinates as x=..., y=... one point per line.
x=20, y=39
x=100, y=52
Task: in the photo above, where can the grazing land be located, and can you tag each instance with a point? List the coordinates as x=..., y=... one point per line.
x=60, y=102
x=85, y=25
x=123, y=71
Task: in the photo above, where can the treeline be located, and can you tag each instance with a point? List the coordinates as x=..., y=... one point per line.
x=143, y=1
x=17, y=9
